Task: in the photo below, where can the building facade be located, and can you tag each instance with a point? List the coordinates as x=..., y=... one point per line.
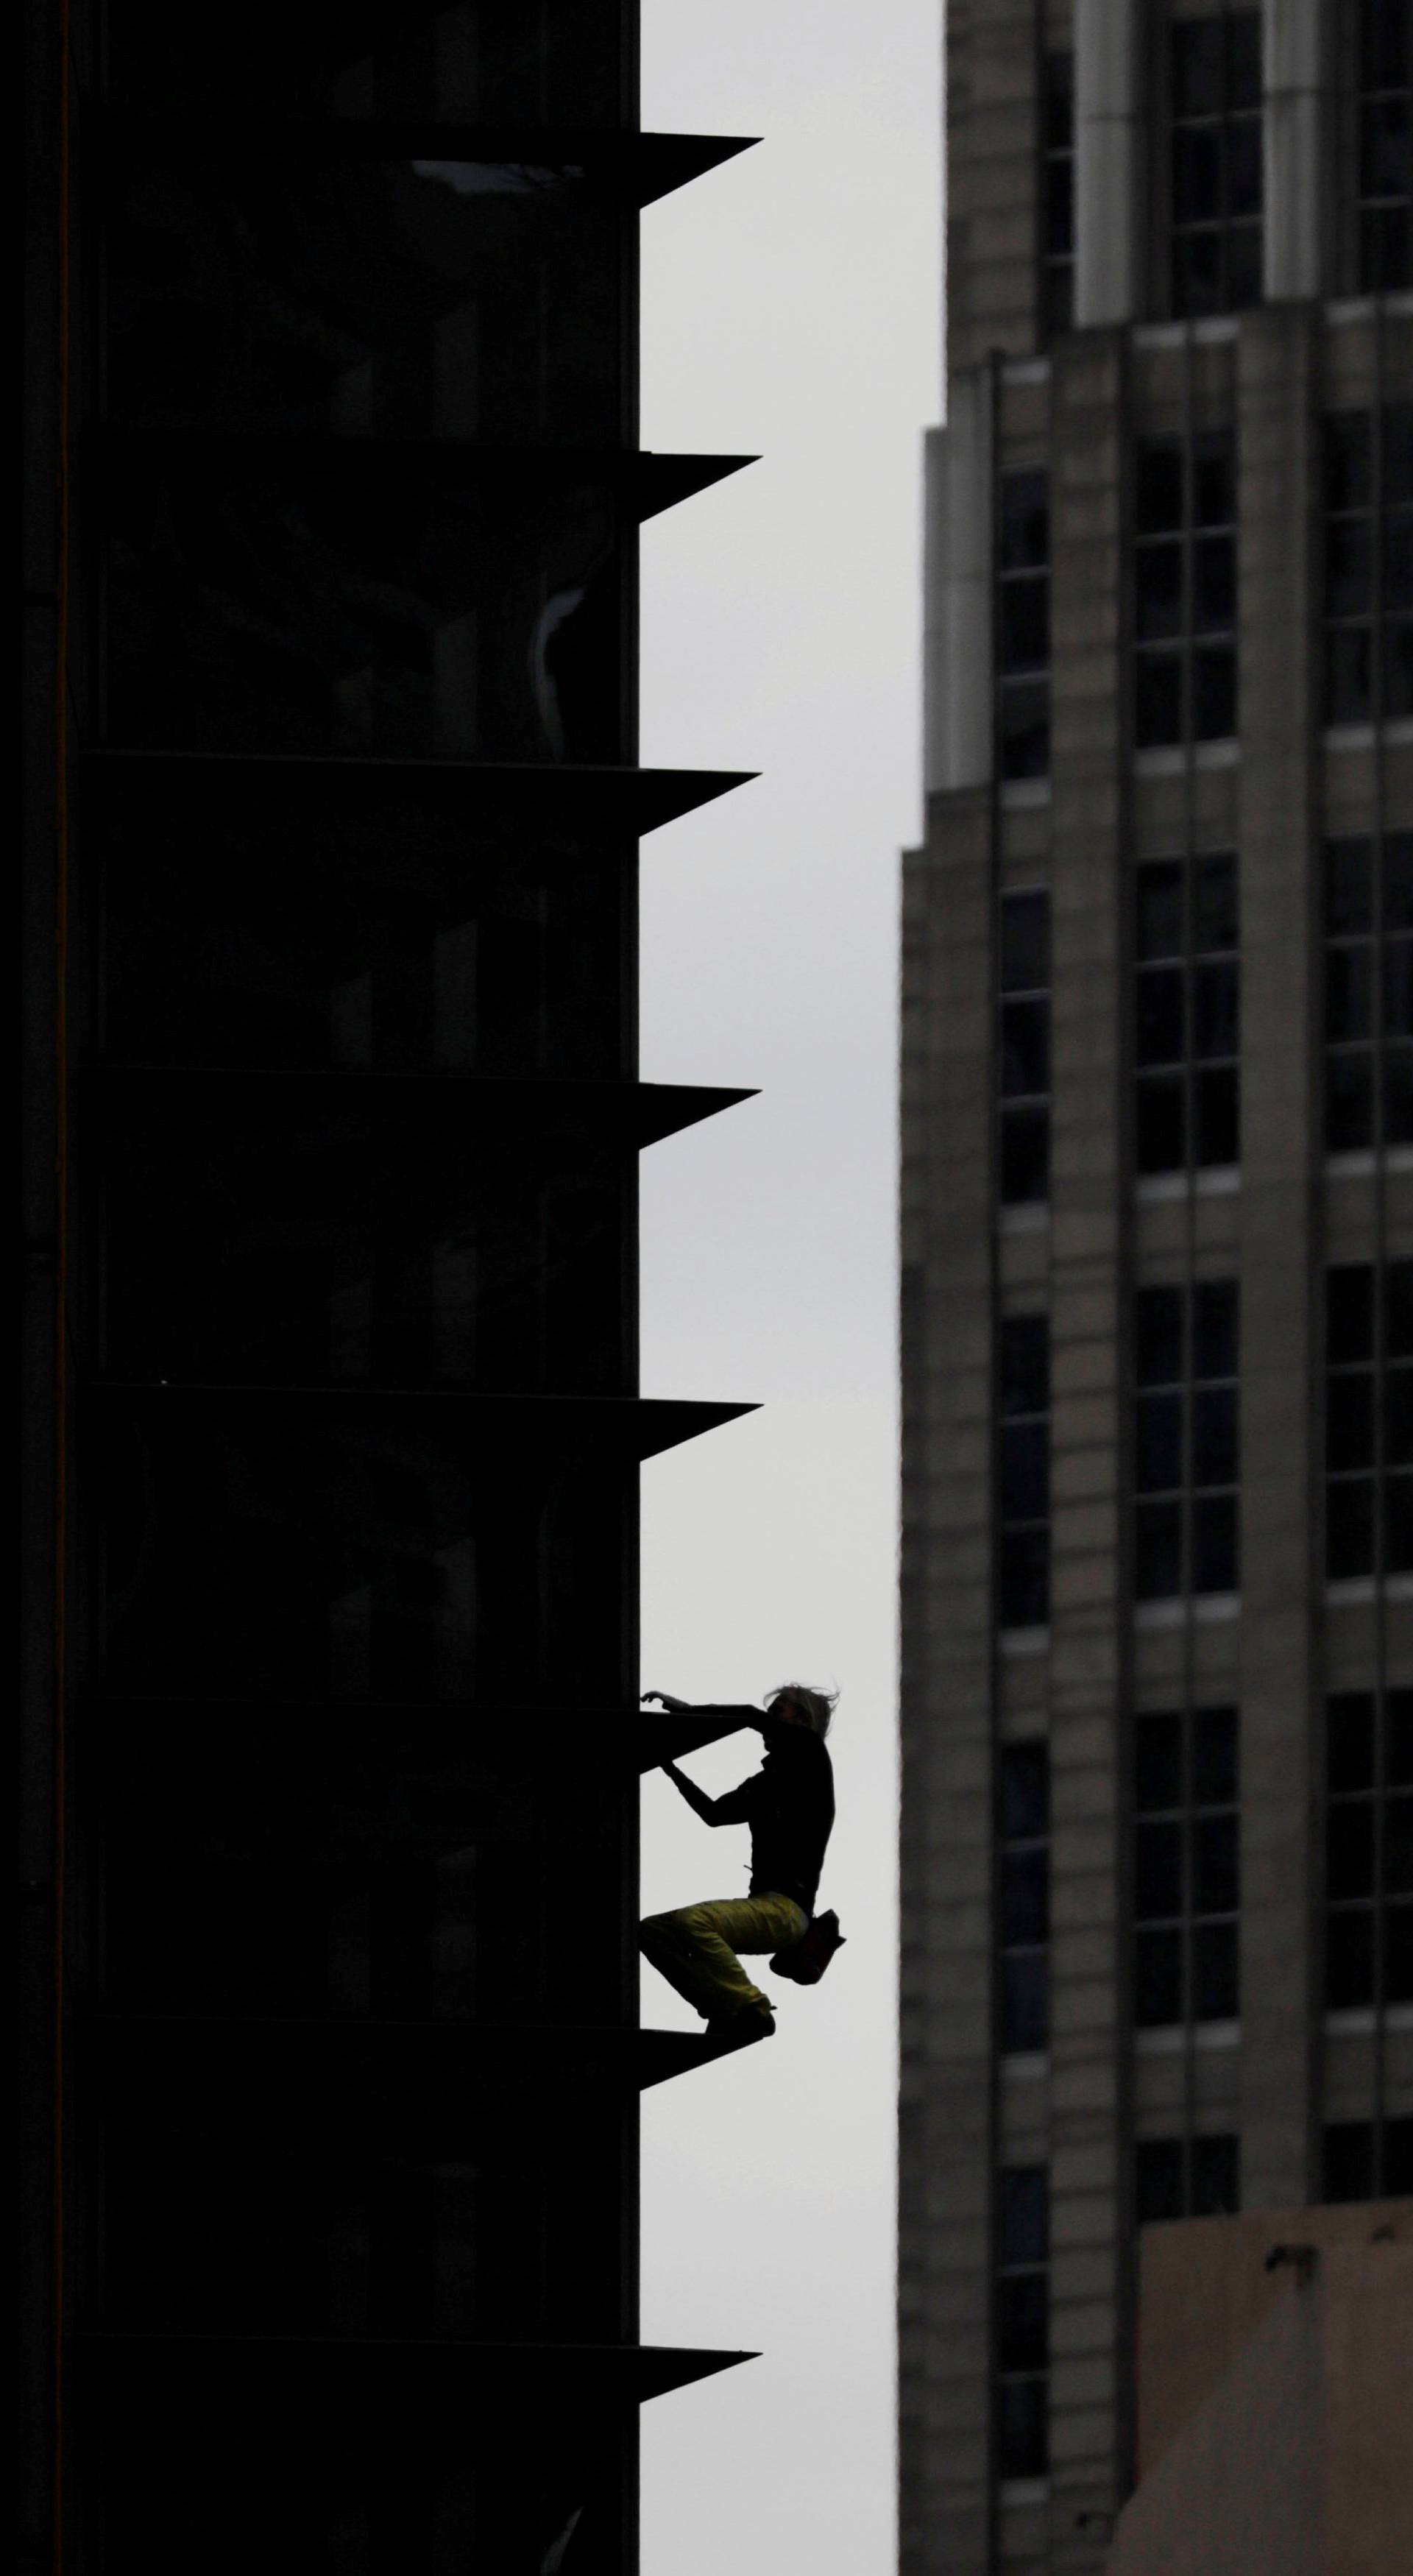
x=333, y=1425
x=1157, y=1221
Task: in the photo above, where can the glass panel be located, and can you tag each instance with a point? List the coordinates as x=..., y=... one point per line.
x=1348, y=452
x=1398, y=1310
x=1160, y=1033
x=1025, y=1156
x=1158, y=700
x=1025, y=1048
x=1196, y=55
x=1024, y=720
x=1025, y=942
x=1348, y=567
x=1158, y=1762
x=319, y=293
x=1215, y=1318
x=1243, y=176
x=1025, y=522
x=1216, y=1009
x=1215, y=1865
x=1159, y=501
x=1214, y=692
x=1398, y=1728
x=1349, y=991
x=458, y=62
x=1243, y=28
x=1349, y=1422
x=1159, y=930
x=1024, y=1578
x=1218, y=1117
x=1349, y=1528
x=1214, y=1756
x=1398, y=1846
x=1158, y=591
x=1158, y=1570
x=1025, y=1364
x=1023, y=642
x=1159, y=1461
x=1398, y=1524
x=1159, y=1315
x=348, y=604
x=1349, y=885
x=1158, y=2180
x=1022, y=2447
x=309, y=936
x=1398, y=453
x=1024, y=1897
x=1398, y=1956
x=1022, y=2321
x=1398, y=1095
x=1025, y=2002
x=1197, y=174
x=1216, y=2177
x=1349, y=1104
x=1158, y=1890
x=1214, y=479
x=1215, y=919
x=1398, y=880
x=1025, y=1471
x=1024, y=1791
x=1349, y=1847
x=1161, y=1144
x=1349, y=2161
x=1157, y=1979
x=1023, y=2215
x=1398, y=1418
x=1214, y=1972
x=1349, y=1313
x=1213, y=584
x=1349, y=680
x=1349, y=1740
x=1349, y=1959
x=290, y=1231
x=1214, y=1544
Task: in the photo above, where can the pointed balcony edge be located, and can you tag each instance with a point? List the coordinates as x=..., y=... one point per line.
x=669, y=161
x=642, y=1113
x=597, y=796
x=638, y=1427
x=664, y=480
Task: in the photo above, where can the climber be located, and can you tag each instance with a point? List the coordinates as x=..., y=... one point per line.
x=789, y=1806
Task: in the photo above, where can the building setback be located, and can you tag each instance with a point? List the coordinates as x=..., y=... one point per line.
x=333, y=1421
x=1157, y=1945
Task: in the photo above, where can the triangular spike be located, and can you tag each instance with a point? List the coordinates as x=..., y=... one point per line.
x=668, y=161
x=663, y=481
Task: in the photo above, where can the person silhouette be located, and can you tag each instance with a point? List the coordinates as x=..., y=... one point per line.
x=789, y=1807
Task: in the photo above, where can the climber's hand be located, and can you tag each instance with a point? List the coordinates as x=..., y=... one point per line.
x=673, y=1706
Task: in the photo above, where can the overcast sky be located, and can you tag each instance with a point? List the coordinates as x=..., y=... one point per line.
x=790, y=309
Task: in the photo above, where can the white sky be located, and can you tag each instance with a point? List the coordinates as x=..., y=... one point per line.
x=791, y=308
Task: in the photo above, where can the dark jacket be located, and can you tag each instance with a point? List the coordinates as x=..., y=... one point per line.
x=788, y=1804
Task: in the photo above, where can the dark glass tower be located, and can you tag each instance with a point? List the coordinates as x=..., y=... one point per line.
x=333, y=1421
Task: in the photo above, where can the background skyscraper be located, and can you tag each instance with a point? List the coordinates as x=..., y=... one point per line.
x=1157, y=1886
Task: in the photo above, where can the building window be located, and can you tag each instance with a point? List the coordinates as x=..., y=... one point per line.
x=1369, y=1849
x=1023, y=627
x=1023, y=1047
x=1369, y=2160
x=1185, y=590
x=1187, y=1013
x=1368, y=993
x=1023, y=1895
x=1214, y=70
x=1186, y=1868
x=1187, y=1440
x=1057, y=195
x=1023, y=1473
x=1368, y=1420
x=1022, y=2321
x=1186, y=2178
x=1368, y=467
x=1384, y=147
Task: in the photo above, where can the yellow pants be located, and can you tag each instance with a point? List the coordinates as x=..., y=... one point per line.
x=695, y=1948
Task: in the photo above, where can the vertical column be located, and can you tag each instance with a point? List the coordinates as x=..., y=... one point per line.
x=1109, y=115
x=1278, y=1360
x=957, y=656
x=1294, y=115
x=993, y=174
x=1088, y=1611
x=946, y=2016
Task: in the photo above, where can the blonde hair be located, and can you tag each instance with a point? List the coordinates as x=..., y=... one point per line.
x=817, y=1705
